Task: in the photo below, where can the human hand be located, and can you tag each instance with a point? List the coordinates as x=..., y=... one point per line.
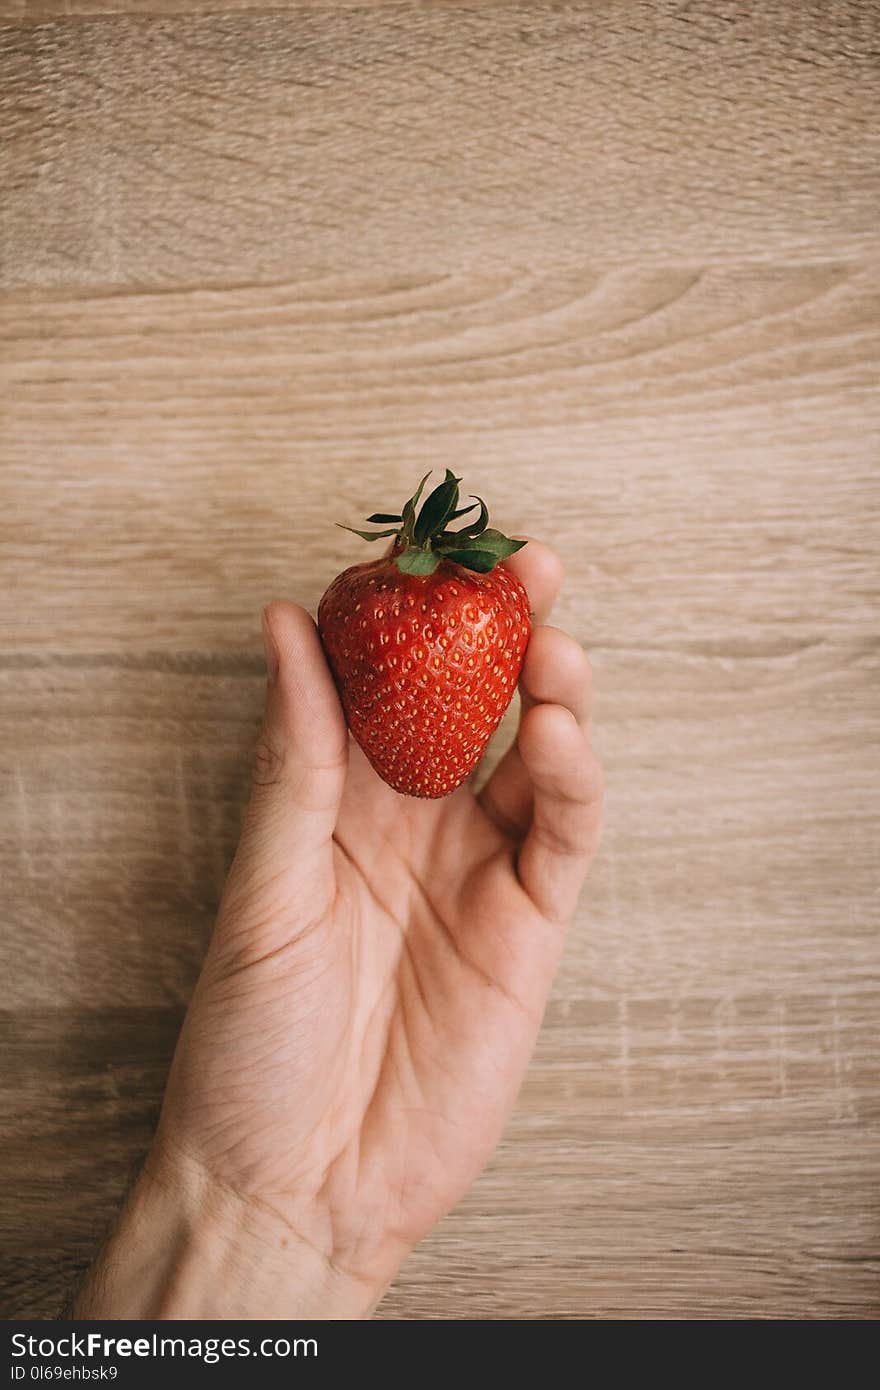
x=371, y=994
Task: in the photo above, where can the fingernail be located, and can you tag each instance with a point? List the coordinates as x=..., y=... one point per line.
x=272, y=658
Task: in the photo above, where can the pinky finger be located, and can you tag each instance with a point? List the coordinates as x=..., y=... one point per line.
x=566, y=778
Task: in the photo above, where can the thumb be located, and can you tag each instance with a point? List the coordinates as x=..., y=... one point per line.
x=299, y=764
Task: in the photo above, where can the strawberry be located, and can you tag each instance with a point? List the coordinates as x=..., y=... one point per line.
x=426, y=644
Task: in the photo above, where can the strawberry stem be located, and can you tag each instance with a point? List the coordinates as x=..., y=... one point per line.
x=422, y=541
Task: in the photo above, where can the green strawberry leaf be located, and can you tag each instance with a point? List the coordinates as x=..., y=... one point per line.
x=462, y=511
x=438, y=508
x=409, y=511
x=415, y=560
x=368, y=535
x=499, y=544
x=474, y=528
x=480, y=557
x=480, y=560
x=385, y=516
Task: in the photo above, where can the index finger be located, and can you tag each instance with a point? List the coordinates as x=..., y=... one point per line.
x=540, y=569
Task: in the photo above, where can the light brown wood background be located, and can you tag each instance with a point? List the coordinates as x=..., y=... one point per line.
x=617, y=265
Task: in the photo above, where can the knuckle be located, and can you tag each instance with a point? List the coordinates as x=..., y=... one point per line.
x=581, y=667
x=268, y=763
x=570, y=655
x=556, y=838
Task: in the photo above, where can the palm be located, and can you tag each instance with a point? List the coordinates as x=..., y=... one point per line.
x=454, y=968
x=367, y=1010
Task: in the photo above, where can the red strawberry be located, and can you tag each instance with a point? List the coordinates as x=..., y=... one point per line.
x=426, y=645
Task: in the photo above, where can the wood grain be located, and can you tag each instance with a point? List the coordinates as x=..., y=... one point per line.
x=149, y=152
x=647, y=327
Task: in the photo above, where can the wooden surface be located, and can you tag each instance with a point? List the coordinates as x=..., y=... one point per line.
x=617, y=265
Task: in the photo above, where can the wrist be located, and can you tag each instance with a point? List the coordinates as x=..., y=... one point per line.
x=186, y=1247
